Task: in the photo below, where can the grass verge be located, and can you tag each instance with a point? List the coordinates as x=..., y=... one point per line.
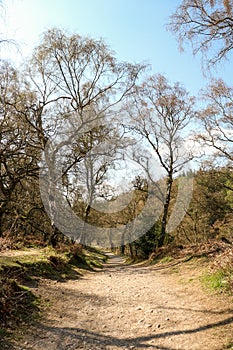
x=215, y=281
x=20, y=271
x=219, y=277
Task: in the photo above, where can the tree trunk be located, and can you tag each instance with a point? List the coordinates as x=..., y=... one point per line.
x=122, y=248
x=163, y=232
x=131, y=250
x=83, y=238
x=53, y=237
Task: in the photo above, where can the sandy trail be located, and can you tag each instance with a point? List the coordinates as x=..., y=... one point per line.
x=132, y=307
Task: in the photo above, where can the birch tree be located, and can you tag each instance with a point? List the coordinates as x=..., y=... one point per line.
x=207, y=25
x=161, y=114
x=78, y=82
x=217, y=119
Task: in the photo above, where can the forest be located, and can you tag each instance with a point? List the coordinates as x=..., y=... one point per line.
x=80, y=131
x=96, y=152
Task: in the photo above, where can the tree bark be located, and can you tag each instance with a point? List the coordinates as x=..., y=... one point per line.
x=163, y=233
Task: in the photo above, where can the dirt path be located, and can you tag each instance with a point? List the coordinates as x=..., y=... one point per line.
x=132, y=307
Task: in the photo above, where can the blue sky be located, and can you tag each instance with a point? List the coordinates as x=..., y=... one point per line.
x=134, y=29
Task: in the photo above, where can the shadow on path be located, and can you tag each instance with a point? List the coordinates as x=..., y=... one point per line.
x=96, y=339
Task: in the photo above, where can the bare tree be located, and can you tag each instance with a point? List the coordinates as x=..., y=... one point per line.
x=78, y=82
x=217, y=119
x=207, y=25
x=160, y=115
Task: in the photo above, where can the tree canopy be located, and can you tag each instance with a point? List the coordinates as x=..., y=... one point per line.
x=207, y=25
